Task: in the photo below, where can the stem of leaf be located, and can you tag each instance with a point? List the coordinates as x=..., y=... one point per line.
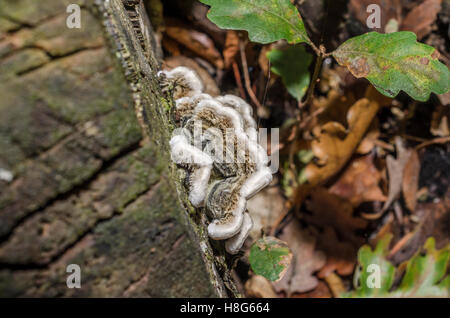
x=315, y=48
x=315, y=76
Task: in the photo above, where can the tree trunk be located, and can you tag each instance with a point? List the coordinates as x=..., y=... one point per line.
x=86, y=188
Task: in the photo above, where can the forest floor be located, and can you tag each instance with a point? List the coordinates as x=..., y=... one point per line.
x=396, y=181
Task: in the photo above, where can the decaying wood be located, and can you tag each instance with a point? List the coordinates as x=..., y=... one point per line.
x=135, y=50
x=86, y=188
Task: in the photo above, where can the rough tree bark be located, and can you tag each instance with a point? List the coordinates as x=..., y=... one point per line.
x=87, y=189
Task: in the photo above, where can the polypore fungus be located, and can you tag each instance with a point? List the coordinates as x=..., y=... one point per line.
x=217, y=143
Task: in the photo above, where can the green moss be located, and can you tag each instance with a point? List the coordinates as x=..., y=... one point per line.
x=119, y=128
x=7, y=25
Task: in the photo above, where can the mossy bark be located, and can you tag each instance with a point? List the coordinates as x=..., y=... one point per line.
x=87, y=188
x=131, y=37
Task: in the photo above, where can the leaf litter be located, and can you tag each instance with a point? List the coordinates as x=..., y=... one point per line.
x=357, y=167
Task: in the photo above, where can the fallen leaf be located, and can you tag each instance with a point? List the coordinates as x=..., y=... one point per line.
x=171, y=46
x=445, y=99
x=411, y=180
x=335, y=144
x=333, y=108
x=263, y=61
x=368, y=143
x=270, y=257
x=196, y=13
x=299, y=277
x=440, y=121
x=198, y=42
x=341, y=255
x=425, y=273
x=359, y=182
x=331, y=210
x=265, y=208
x=321, y=291
x=395, y=168
x=259, y=287
x=420, y=19
x=386, y=228
x=330, y=78
x=335, y=283
x=433, y=221
x=231, y=48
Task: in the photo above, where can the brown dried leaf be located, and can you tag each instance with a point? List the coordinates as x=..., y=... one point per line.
x=335, y=144
x=440, y=121
x=263, y=61
x=331, y=210
x=445, y=99
x=259, y=287
x=231, y=47
x=333, y=108
x=335, y=283
x=321, y=291
x=395, y=169
x=360, y=182
x=198, y=42
x=420, y=19
x=434, y=219
x=299, y=277
x=368, y=143
x=171, y=46
x=341, y=255
x=265, y=208
x=330, y=78
x=411, y=180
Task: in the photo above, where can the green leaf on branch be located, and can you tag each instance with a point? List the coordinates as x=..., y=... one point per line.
x=265, y=21
x=270, y=257
x=394, y=62
x=292, y=65
x=424, y=274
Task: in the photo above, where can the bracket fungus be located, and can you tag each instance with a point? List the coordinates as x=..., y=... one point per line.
x=216, y=143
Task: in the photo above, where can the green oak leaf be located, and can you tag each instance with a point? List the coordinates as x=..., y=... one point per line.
x=265, y=21
x=424, y=275
x=366, y=257
x=292, y=65
x=394, y=62
x=270, y=257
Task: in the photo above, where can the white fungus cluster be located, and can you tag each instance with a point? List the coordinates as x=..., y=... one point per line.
x=221, y=180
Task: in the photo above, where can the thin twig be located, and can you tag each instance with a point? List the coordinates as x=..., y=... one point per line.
x=266, y=88
x=237, y=76
x=312, y=116
x=315, y=48
x=248, y=84
x=284, y=212
x=440, y=140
